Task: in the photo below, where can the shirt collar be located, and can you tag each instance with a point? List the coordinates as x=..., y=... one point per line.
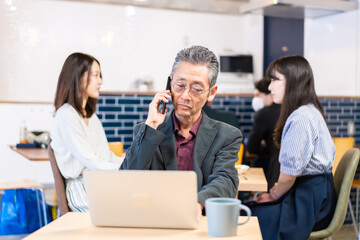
x=194, y=128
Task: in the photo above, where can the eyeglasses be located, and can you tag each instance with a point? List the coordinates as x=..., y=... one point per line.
x=195, y=91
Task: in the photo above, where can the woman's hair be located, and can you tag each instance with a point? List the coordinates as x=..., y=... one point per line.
x=70, y=87
x=299, y=88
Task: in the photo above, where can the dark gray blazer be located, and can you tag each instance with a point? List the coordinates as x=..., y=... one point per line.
x=215, y=152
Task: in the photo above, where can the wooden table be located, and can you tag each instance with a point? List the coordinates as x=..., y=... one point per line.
x=78, y=226
x=253, y=179
x=26, y=183
x=33, y=154
x=37, y=154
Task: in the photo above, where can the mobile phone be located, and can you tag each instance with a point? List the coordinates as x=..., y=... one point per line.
x=167, y=88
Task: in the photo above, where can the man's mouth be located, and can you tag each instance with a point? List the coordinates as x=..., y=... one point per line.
x=184, y=106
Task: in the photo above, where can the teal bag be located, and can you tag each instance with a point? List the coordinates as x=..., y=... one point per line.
x=21, y=212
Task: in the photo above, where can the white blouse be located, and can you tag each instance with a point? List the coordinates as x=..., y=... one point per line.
x=78, y=146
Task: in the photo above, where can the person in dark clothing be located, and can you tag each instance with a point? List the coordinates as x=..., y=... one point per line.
x=261, y=95
x=260, y=141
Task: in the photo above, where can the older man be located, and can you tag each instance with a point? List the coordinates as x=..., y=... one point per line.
x=186, y=139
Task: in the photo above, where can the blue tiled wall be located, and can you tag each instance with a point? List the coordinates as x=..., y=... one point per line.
x=120, y=113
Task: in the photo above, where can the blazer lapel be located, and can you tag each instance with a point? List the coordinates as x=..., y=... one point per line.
x=167, y=146
x=205, y=136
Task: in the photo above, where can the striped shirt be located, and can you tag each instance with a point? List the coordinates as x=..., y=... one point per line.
x=306, y=144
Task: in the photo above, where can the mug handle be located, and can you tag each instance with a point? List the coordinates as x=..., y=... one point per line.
x=248, y=212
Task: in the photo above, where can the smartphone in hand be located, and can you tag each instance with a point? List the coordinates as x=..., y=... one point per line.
x=167, y=88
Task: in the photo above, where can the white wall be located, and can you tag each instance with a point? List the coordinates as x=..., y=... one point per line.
x=12, y=165
x=332, y=46
x=130, y=43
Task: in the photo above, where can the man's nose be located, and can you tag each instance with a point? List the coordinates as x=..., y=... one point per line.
x=186, y=93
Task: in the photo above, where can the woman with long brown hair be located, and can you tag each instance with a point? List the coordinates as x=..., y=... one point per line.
x=303, y=199
x=77, y=136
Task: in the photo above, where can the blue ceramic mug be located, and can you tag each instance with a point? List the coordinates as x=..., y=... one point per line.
x=222, y=216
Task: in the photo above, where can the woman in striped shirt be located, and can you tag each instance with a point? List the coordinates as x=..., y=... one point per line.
x=303, y=199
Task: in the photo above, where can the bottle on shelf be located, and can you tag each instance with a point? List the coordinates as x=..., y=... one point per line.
x=23, y=133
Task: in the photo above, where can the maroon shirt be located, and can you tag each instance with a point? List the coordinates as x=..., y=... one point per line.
x=185, y=146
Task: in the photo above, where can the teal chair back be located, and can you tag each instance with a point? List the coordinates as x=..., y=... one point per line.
x=343, y=179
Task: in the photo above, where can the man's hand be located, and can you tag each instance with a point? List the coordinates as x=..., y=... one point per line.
x=155, y=117
x=200, y=208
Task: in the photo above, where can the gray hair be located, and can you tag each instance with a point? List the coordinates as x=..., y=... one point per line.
x=198, y=55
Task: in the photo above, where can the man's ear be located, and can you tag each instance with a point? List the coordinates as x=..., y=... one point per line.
x=213, y=91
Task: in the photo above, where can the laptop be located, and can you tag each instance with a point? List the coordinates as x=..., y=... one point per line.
x=136, y=198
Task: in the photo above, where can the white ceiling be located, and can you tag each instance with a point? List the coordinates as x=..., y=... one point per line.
x=276, y=8
x=205, y=6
